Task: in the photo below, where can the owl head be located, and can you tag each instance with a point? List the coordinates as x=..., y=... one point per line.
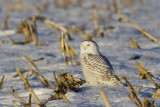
x=89, y=47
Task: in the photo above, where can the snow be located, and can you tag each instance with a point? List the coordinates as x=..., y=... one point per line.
x=115, y=46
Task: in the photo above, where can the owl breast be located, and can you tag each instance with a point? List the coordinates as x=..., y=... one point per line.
x=93, y=68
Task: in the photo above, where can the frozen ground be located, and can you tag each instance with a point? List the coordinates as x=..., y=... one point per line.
x=115, y=46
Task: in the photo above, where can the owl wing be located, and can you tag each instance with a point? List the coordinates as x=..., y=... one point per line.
x=98, y=66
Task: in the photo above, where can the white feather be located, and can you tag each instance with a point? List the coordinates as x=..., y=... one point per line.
x=96, y=67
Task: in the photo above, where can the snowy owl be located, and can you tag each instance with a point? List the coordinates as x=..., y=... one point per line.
x=96, y=67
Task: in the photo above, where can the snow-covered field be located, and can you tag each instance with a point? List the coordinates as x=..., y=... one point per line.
x=115, y=46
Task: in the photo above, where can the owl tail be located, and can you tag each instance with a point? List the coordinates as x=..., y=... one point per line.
x=115, y=83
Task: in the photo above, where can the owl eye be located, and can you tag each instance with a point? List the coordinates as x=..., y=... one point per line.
x=88, y=45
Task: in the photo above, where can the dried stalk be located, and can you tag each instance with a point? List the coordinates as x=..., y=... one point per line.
x=63, y=83
x=96, y=27
x=42, y=7
x=16, y=75
x=115, y=6
x=23, y=102
x=29, y=30
x=70, y=81
x=29, y=100
x=104, y=97
x=20, y=28
x=28, y=86
x=65, y=99
x=147, y=103
x=132, y=95
x=18, y=43
x=61, y=89
x=133, y=43
x=139, y=89
x=149, y=57
x=14, y=103
x=19, y=5
x=66, y=49
x=139, y=36
x=138, y=28
x=156, y=94
x=44, y=81
x=66, y=3
x=1, y=82
x=78, y=31
x=39, y=59
x=34, y=73
x=52, y=24
x=15, y=5
x=63, y=48
x=144, y=71
x=32, y=62
x=129, y=3
x=33, y=30
x=6, y=21
x=56, y=80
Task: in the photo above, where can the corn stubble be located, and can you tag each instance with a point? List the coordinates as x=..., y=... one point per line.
x=134, y=98
x=143, y=74
x=133, y=43
x=67, y=3
x=1, y=82
x=67, y=50
x=11, y=6
x=21, y=100
x=87, y=36
x=64, y=82
x=104, y=97
x=29, y=30
x=146, y=34
x=6, y=21
x=156, y=94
